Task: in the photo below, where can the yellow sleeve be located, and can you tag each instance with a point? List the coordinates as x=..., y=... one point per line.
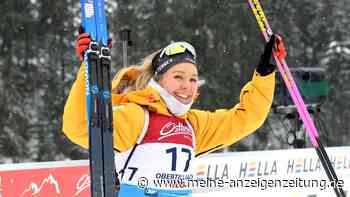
x=128, y=119
x=214, y=130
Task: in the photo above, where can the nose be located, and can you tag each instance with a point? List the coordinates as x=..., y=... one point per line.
x=185, y=84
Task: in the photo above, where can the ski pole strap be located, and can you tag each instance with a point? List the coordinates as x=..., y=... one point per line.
x=138, y=141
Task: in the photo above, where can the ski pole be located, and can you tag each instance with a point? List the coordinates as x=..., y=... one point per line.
x=125, y=37
x=297, y=99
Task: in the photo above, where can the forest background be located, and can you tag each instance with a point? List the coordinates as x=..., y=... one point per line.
x=38, y=64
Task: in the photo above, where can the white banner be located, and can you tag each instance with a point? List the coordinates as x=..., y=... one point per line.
x=293, y=173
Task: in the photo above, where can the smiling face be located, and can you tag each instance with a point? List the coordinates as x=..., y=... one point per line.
x=181, y=81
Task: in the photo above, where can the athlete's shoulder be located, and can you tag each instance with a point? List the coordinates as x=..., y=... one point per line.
x=130, y=108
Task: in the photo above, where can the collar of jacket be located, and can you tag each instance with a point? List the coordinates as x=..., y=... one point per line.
x=147, y=97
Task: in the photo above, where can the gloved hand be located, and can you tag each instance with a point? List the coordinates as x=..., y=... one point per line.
x=280, y=50
x=83, y=42
x=264, y=66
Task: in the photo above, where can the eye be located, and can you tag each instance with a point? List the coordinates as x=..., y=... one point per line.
x=178, y=77
x=194, y=80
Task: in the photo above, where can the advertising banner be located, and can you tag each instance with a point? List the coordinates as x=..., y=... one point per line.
x=293, y=173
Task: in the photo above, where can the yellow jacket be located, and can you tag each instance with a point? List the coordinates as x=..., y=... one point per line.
x=213, y=130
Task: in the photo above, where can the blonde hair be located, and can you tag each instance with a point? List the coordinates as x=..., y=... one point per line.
x=144, y=72
x=147, y=72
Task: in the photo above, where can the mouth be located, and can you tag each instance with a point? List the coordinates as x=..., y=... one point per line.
x=183, y=98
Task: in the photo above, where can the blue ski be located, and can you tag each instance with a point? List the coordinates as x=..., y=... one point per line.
x=98, y=97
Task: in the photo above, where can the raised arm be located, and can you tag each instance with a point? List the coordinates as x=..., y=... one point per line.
x=126, y=126
x=223, y=127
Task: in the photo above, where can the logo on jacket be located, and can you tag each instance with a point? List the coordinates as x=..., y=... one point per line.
x=171, y=128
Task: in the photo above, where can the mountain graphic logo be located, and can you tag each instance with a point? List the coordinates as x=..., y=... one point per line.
x=34, y=188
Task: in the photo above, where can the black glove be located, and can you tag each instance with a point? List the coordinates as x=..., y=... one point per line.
x=264, y=66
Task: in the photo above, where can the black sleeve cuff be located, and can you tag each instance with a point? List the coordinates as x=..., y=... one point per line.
x=264, y=70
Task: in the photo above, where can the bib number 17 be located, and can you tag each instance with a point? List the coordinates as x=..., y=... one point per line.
x=173, y=151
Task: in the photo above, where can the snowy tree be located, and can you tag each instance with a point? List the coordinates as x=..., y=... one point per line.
x=38, y=63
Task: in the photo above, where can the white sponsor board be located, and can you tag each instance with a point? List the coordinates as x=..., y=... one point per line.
x=293, y=173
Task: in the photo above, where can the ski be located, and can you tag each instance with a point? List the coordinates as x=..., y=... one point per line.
x=97, y=62
x=297, y=99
